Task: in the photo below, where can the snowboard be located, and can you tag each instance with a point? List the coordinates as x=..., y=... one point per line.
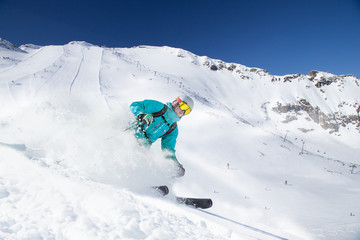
x=193, y=202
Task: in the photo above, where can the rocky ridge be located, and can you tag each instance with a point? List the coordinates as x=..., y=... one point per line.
x=322, y=81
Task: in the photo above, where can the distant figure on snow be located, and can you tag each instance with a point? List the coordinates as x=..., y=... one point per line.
x=156, y=120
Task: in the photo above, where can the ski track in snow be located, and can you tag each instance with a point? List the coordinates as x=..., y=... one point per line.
x=77, y=73
x=69, y=171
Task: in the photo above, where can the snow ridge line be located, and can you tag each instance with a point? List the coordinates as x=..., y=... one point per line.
x=243, y=225
x=143, y=68
x=22, y=61
x=101, y=83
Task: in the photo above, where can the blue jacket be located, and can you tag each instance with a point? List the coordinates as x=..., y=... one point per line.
x=159, y=127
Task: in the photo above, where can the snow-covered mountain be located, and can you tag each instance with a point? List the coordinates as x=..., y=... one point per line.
x=277, y=154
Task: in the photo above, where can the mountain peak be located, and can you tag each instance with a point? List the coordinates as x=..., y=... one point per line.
x=8, y=45
x=82, y=43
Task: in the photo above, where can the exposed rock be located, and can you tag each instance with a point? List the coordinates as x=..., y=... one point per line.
x=312, y=75
x=214, y=67
x=9, y=45
x=305, y=130
x=290, y=119
x=291, y=77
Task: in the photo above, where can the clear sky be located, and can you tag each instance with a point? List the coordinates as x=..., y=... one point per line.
x=281, y=36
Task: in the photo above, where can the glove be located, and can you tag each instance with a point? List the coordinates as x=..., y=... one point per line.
x=180, y=171
x=147, y=118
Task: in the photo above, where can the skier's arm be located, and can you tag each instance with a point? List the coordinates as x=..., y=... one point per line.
x=168, y=144
x=146, y=106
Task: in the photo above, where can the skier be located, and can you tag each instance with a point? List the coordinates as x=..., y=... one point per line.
x=156, y=120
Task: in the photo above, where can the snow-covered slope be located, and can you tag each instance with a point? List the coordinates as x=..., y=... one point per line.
x=277, y=154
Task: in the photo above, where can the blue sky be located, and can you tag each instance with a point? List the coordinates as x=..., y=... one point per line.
x=281, y=36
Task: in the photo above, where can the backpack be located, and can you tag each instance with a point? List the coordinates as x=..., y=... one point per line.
x=160, y=114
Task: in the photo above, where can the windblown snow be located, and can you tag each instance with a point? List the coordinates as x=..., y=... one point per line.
x=279, y=155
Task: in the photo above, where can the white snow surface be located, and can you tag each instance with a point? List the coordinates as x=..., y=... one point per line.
x=68, y=170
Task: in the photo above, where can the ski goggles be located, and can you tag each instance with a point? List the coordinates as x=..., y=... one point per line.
x=183, y=106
